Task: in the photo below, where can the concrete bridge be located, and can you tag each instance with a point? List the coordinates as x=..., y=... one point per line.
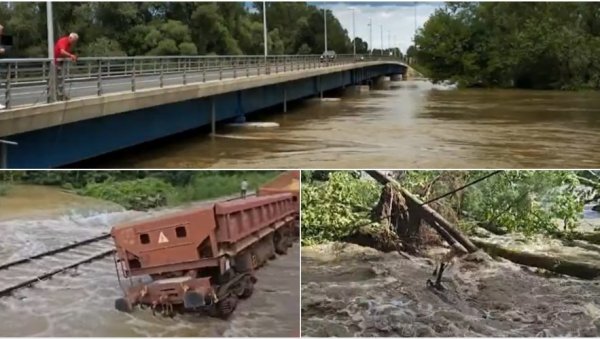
x=116, y=103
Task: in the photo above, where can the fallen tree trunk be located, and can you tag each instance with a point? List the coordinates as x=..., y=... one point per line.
x=430, y=215
x=554, y=264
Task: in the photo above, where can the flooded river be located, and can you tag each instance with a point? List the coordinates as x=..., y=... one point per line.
x=81, y=302
x=348, y=290
x=412, y=124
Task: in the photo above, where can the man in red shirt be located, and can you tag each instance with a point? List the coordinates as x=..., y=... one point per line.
x=62, y=49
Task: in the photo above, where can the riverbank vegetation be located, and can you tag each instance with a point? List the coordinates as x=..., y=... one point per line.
x=142, y=190
x=337, y=204
x=176, y=28
x=542, y=45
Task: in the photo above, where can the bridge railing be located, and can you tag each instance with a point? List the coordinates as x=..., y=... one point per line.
x=33, y=81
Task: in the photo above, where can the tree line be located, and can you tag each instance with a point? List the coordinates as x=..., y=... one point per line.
x=176, y=28
x=544, y=45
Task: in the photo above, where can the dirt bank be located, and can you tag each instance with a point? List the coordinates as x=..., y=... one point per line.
x=348, y=290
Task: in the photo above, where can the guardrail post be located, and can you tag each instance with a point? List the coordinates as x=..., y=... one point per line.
x=99, y=84
x=8, y=86
x=108, y=69
x=203, y=71
x=267, y=66
x=61, y=82
x=220, y=69
x=133, y=76
x=161, y=80
x=247, y=62
x=276, y=65
x=185, y=72
x=235, y=64
x=89, y=70
x=284, y=64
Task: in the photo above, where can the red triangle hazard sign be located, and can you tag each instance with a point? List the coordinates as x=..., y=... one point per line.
x=162, y=238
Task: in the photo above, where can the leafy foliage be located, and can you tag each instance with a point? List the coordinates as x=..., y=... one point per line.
x=175, y=28
x=144, y=189
x=139, y=194
x=334, y=209
x=517, y=201
x=522, y=44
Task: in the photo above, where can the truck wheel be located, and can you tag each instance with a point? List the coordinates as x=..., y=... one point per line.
x=280, y=242
x=248, y=284
x=243, y=263
x=226, y=306
x=123, y=305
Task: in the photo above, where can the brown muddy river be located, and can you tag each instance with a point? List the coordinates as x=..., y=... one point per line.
x=412, y=124
x=81, y=302
x=348, y=290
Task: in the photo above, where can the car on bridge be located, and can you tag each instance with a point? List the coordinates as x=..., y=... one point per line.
x=328, y=56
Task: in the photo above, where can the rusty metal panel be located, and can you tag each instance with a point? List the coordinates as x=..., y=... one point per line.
x=239, y=218
x=167, y=240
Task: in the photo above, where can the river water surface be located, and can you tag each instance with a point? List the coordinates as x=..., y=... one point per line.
x=81, y=302
x=411, y=124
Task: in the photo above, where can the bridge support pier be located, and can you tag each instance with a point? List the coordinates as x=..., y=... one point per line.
x=3, y=156
x=284, y=100
x=397, y=77
x=213, y=117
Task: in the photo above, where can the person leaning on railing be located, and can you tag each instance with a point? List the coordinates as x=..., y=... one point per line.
x=62, y=50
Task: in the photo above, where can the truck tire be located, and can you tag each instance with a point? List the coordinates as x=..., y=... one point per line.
x=280, y=241
x=248, y=284
x=243, y=262
x=226, y=306
x=123, y=305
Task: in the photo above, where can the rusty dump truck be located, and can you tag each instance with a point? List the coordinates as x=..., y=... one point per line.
x=203, y=259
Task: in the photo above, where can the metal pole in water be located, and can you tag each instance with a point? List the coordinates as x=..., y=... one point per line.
x=52, y=69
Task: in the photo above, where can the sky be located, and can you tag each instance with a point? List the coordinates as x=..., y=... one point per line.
x=397, y=19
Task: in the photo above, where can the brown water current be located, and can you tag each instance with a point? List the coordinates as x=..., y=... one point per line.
x=411, y=124
x=348, y=290
x=81, y=302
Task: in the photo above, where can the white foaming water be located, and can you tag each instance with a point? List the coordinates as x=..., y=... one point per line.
x=80, y=302
x=483, y=297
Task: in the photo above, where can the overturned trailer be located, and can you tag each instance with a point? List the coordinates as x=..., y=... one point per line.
x=202, y=259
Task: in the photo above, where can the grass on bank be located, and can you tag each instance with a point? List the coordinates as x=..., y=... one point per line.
x=152, y=192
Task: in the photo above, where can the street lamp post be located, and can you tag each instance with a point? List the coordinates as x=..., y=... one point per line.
x=50, y=34
x=382, y=40
x=353, y=34
x=371, y=35
x=265, y=27
x=325, y=24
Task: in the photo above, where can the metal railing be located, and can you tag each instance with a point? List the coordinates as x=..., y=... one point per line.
x=35, y=81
